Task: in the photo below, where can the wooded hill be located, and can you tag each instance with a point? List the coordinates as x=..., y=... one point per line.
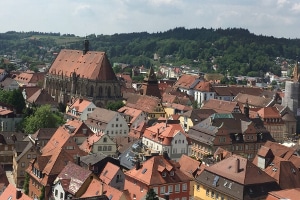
x=235, y=51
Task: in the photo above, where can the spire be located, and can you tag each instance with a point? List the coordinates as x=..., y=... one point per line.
x=151, y=75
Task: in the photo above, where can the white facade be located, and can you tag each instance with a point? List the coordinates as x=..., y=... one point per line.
x=179, y=145
x=58, y=191
x=83, y=115
x=115, y=127
x=203, y=96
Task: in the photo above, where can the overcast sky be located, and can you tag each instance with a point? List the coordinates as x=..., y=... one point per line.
x=278, y=18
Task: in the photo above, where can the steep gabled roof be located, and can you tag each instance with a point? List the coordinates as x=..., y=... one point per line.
x=41, y=97
x=150, y=172
x=186, y=81
x=80, y=105
x=75, y=175
x=102, y=115
x=10, y=193
x=108, y=173
x=93, y=65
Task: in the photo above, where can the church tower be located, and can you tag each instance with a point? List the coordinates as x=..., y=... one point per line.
x=150, y=85
x=292, y=95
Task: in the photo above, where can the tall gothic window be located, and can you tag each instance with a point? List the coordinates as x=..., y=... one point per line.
x=108, y=91
x=92, y=91
x=100, y=92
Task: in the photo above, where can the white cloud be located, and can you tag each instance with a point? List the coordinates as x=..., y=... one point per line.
x=296, y=7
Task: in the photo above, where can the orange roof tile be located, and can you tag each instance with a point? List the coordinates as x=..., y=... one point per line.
x=269, y=112
x=97, y=188
x=163, y=131
x=11, y=193
x=185, y=81
x=220, y=106
x=80, y=105
x=108, y=173
x=150, y=172
x=204, y=87
x=288, y=194
x=93, y=65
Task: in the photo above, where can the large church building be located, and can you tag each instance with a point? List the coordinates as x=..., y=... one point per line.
x=82, y=74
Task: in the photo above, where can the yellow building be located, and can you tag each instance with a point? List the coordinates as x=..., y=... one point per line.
x=234, y=178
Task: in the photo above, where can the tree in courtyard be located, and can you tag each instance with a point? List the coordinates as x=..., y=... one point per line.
x=42, y=196
x=114, y=106
x=151, y=195
x=43, y=117
x=26, y=184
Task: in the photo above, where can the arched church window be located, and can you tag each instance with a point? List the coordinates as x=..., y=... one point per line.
x=100, y=91
x=92, y=90
x=108, y=91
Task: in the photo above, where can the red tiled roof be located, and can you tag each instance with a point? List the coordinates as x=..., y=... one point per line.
x=93, y=65
x=96, y=188
x=185, y=81
x=150, y=172
x=163, y=131
x=204, y=87
x=108, y=173
x=80, y=105
x=73, y=177
x=190, y=166
x=288, y=194
x=220, y=106
x=10, y=193
x=269, y=112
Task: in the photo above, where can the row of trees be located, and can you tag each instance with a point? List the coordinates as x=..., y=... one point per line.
x=235, y=51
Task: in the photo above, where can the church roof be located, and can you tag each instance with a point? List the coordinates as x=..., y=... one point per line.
x=92, y=65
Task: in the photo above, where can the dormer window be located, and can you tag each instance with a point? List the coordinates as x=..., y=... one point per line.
x=171, y=173
x=164, y=174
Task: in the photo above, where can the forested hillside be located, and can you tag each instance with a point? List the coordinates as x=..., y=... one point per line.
x=236, y=51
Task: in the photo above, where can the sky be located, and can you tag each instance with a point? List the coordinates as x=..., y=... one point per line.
x=278, y=18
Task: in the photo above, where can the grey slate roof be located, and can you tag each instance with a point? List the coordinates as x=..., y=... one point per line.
x=93, y=158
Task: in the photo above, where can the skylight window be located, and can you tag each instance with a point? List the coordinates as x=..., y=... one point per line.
x=225, y=184
x=144, y=171
x=216, y=179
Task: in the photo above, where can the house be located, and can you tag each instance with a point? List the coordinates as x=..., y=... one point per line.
x=133, y=116
x=234, y=178
x=228, y=93
x=98, y=188
x=281, y=163
x=174, y=108
x=12, y=193
x=80, y=109
x=203, y=91
x=254, y=101
x=78, y=130
x=26, y=150
x=9, y=84
x=167, y=137
x=194, y=116
x=30, y=78
x=108, y=122
x=192, y=168
x=28, y=91
x=113, y=176
x=72, y=182
x=21, y=161
x=291, y=194
x=186, y=83
x=96, y=162
x=99, y=142
x=273, y=122
x=232, y=131
x=222, y=106
x=8, y=118
x=151, y=105
x=44, y=169
x=41, y=97
x=7, y=144
x=158, y=173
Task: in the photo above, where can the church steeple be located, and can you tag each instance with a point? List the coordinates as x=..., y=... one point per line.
x=150, y=84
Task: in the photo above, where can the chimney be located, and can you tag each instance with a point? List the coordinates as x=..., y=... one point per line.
x=78, y=160
x=80, y=100
x=237, y=165
x=138, y=164
x=18, y=193
x=86, y=46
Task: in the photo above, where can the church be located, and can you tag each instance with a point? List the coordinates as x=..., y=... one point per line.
x=82, y=74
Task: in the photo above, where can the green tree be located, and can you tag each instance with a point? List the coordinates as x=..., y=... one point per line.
x=17, y=100
x=151, y=195
x=115, y=105
x=42, y=117
x=26, y=184
x=42, y=196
